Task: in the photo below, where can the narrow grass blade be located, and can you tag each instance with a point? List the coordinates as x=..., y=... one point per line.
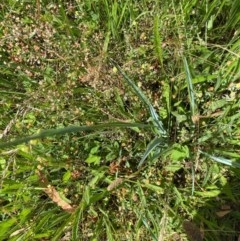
x=70, y=129
x=154, y=230
x=106, y=42
x=234, y=15
x=62, y=223
x=75, y=226
x=5, y=227
x=146, y=222
x=156, y=119
x=151, y=146
x=122, y=14
x=77, y=216
x=193, y=180
x=12, y=93
x=158, y=40
x=190, y=87
x=166, y=93
x=222, y=160
x=109, y=228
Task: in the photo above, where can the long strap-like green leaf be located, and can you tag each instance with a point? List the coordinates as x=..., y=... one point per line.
x=70, y=129
x=190, y=87
x=156, y=119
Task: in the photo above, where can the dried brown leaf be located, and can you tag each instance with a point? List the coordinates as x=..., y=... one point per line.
x=114, y=184
x=54, y=195
x=221, y=214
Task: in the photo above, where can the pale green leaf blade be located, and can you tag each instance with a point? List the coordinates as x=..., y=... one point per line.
x=151, y=146
x=190, y=87
x=221, y=160
x=70, y=129
x=156, y=119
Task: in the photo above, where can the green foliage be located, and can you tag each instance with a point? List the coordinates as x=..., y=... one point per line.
x=158, y=40
x=119, y=120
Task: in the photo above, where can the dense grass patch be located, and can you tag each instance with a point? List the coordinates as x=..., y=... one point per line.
x=119, y=120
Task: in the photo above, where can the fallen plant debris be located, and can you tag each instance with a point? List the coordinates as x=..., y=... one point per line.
x=53, y=194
